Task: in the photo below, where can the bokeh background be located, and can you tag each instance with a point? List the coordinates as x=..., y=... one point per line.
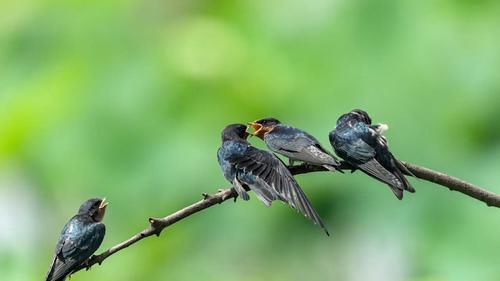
x=126, y=99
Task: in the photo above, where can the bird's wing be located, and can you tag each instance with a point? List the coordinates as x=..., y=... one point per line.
x=274, y=181
x=376, y=170
x=299, y=145
x=73, y=250
x=356, y=149
x=386, y=159
x=316, y=154
x=287, y=142
x=361, y=150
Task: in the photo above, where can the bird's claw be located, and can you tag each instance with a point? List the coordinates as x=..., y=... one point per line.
x=87, y=264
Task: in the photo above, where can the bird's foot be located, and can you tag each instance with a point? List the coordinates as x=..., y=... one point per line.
x=86, y=264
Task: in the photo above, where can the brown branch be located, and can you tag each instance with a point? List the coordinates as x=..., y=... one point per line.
x=158, y=224
x=455, y=184
x=452, y=183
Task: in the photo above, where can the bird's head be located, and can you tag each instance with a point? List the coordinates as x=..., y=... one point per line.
x=360, y=115
x=94, y=208
x=263, y=126
x=234, y=132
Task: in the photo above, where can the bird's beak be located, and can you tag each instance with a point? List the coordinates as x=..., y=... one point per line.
x=102, y=209
x=259, y=129
x=103, y=204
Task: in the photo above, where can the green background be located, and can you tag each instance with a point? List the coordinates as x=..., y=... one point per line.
x=126, y=99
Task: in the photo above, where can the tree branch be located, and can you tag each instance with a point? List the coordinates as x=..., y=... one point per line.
x=158, y=224
x=454, y=184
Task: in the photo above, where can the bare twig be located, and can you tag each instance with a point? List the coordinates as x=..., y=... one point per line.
x=158, y=224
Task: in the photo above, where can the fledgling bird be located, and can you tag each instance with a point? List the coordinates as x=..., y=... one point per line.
x=362, y=145
x=79, y=239
x=293, y=143
x=249, y=168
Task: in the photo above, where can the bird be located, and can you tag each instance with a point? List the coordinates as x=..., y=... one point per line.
x=79, y=239
x=250, y=168
x=363, y=146
x=293, y=143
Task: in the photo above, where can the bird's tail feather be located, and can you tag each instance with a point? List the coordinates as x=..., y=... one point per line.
x=52, y=275
x=398, y=192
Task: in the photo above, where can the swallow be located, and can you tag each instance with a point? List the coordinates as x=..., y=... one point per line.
x=362, y=145
x=249, y=168
x=79, y=239
x=293, y=143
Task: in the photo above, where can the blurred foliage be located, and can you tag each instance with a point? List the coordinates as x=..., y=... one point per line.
x=126, y=99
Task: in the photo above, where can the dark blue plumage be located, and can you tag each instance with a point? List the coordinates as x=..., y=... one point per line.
x=249, y=168
x=79, y=239
x=362, y=145
x=293, y=143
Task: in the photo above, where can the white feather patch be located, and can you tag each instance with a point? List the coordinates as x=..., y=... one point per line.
x=381, y=128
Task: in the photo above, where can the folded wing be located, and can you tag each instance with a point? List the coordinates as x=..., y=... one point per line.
x=269, y=178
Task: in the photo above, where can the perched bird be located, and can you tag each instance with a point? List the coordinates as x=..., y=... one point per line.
x=293, y=143
x=362, y=145
x=249, y=168
x=79, y=239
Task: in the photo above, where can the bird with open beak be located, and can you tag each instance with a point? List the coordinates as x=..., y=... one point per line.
x=293, y=143
x=249, y=168
x=362, y=145
x=79, y=239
